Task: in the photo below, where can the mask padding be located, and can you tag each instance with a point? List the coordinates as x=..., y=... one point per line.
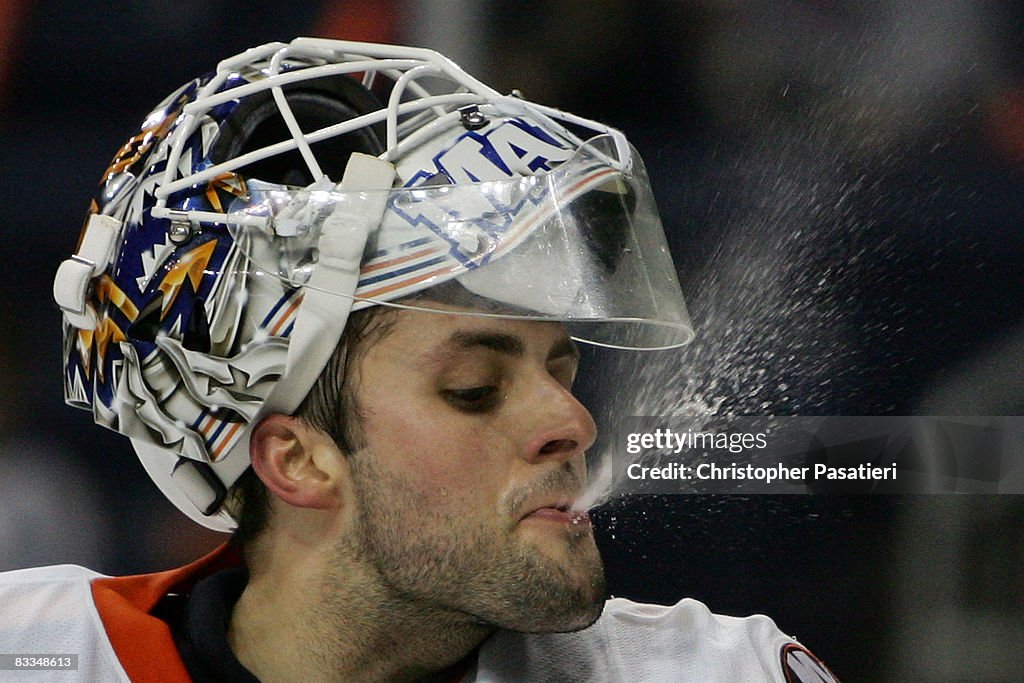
x=256, y=122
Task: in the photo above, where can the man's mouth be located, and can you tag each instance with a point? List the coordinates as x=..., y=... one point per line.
x=560, y=512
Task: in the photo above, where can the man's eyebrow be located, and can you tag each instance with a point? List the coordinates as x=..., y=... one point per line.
x=508, y=344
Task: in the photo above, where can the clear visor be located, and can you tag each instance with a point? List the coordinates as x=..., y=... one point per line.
x=582, y=245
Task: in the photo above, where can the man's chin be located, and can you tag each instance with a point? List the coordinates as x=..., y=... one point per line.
x=568, y=593
x=578, y=622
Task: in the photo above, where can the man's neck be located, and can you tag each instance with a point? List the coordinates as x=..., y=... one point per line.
x=343, y=626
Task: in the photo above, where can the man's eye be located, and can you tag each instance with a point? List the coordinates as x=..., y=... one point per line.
x=474, y=399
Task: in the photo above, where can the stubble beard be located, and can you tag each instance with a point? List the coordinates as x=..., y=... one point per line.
x=456, y=567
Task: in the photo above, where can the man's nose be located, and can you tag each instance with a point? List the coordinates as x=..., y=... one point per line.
x=565, y=428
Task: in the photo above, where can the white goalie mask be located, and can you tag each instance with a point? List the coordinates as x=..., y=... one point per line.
x=261, y=204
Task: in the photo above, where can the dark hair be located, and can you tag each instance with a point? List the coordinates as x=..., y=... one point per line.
x=330, y=406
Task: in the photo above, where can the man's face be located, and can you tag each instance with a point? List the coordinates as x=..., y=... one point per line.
x=472, y=452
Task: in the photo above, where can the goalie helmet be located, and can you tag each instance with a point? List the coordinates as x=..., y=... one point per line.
x=260, y=204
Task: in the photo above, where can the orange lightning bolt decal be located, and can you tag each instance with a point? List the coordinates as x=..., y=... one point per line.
x=107, y=290
x=232, y=183
x=139, y=144
x=107, y=330
x=191, y=265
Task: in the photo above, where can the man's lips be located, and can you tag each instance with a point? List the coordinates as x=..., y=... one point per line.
x=560, y=512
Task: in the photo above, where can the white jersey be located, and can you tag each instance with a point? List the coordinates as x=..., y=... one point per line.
x=641, y=642
x=69, y=610
x=50, y=611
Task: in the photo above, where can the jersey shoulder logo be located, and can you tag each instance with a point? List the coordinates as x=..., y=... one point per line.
x=801, y=666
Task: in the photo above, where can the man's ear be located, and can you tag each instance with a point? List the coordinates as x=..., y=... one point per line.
x=297, y=462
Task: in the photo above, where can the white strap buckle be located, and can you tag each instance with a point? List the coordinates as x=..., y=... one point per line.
x=75, y=275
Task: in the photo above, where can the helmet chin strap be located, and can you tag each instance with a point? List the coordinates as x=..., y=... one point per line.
x=322, y=314
x=319, y=323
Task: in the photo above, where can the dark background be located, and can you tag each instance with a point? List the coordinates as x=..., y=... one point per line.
x=841, y=184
